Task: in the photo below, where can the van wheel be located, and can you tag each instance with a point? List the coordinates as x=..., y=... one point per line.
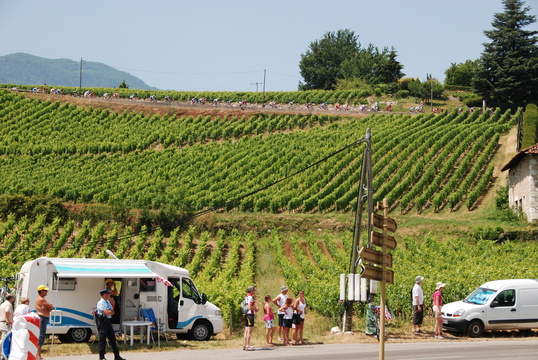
x=201, y=331
x=475, y=329
x=77, y=335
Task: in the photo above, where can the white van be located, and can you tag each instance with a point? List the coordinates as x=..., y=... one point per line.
x=74, y=292
x=495, y=305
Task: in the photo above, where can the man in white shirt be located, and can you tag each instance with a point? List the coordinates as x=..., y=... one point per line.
x=418, y=305
x=6, y=315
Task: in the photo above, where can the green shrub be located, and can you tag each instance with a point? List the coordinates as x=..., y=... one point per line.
x=473, y=101
x=402, y=94
x=31, y=206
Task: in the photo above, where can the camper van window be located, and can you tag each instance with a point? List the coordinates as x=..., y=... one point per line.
x=189, y=291
x=66, y=284
x=147, y=285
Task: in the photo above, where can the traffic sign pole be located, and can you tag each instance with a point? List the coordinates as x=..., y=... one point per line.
x=383, y=282
x=375, y=263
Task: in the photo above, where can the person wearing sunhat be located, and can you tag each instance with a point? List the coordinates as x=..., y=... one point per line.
x=43, y=309
x=437, y=303
x=418, y=305
x=104, y=326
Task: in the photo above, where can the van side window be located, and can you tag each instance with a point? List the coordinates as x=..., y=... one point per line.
x=63, y=283
x=506, y=298
x=147, y=285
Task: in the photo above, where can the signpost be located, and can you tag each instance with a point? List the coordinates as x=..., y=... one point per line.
x=376, y=262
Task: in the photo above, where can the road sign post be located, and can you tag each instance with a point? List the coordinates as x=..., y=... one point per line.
x=375, y=263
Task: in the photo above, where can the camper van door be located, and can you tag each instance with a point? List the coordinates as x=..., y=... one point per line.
x=188, y=310
x=130, y=293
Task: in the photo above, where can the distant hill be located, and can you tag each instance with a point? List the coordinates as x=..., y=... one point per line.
x=25, y=69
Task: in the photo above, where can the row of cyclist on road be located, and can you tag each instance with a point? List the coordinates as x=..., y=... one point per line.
x=242, y=103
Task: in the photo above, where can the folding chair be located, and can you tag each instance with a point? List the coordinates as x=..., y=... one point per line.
x=155, y=325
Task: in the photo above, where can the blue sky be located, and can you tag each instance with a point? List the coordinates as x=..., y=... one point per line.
x=226, y=45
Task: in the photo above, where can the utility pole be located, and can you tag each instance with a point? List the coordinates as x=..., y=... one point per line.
x=263, y=95
x=256, y=85
x=365, y=185
x=431, y=92
x=80, y=77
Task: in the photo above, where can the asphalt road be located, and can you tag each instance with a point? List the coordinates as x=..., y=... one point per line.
x=438, y=350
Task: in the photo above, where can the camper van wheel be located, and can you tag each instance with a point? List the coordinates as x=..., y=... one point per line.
x=201, y=331
x=476, y=328
x=77, y=335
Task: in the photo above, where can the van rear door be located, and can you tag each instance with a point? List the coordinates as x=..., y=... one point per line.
x=528, y=308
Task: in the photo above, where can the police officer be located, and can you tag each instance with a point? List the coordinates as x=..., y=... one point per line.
x=104, y=326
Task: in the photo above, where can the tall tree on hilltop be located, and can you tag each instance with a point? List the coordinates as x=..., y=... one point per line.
x=339, y=56
x=365, y=64
x=390, y=70
x=508, y=67
x=320, y=66
x=461, y=74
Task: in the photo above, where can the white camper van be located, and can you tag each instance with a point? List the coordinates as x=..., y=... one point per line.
x=74, y=291
x=495, y=305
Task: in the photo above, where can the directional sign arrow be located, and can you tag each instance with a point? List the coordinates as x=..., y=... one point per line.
x=377, y=240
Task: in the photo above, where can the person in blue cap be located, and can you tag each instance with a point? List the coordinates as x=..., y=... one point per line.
x=104, y=326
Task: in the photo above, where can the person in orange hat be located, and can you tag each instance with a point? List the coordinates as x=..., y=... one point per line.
x=43, y=310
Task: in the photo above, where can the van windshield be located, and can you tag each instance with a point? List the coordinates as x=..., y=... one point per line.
x=480, y=296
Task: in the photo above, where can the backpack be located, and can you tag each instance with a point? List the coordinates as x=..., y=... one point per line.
x=244, y=307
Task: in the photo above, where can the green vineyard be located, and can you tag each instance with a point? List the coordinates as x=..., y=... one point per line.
x=131, y=160
x=128, y=160
x=223, y=264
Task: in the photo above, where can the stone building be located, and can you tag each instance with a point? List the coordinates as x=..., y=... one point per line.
x=523, y=182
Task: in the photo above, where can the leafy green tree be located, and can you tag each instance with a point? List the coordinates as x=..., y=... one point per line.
x=364, y=65
x=461, y=74
x=508, y=67
x=123, y=85
x=320, y=65
x=425, y=90
x=390, y=70
x=340, y=56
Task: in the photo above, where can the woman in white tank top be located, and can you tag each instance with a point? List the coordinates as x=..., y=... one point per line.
x=299, y=309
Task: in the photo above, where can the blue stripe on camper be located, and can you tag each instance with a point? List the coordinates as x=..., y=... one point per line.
x=96, y=269
x=182, y=324
x=66, y=320
x=76, y=312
